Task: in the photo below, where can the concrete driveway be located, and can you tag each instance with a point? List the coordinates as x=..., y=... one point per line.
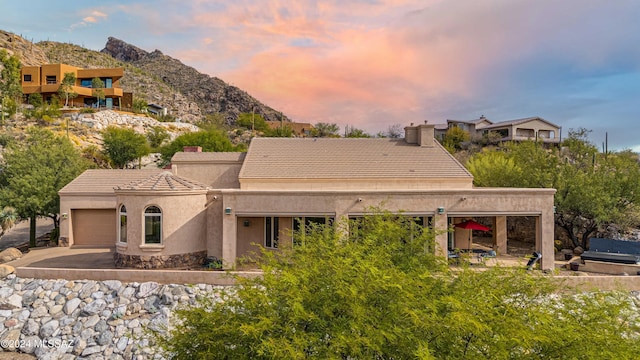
x=67, y=258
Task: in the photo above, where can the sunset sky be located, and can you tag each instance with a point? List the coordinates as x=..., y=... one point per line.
x=375, y=63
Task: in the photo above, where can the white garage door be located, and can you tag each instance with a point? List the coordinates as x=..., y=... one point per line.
x=94, y=227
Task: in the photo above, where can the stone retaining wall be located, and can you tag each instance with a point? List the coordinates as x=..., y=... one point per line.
x=60, y=319
x=180, y=261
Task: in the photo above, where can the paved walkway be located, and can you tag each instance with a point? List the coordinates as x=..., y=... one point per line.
x=19, y=234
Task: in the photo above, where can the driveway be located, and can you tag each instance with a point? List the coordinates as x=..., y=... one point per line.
x=19, y=234
x=67, y=258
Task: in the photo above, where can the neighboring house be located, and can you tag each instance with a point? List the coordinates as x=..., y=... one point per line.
x=46, y=80
x=222, y=204
x=531, y=128
x=156, y=109
x=473, y=127
x=299, y=129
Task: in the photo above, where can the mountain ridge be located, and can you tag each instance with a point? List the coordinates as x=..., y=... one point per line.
x=187, y=93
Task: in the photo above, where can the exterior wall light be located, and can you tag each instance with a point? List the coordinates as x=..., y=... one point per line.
x=227, y=211
x=440, y=210
x=65, y=216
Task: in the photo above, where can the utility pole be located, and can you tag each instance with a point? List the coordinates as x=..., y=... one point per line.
x=253, y=118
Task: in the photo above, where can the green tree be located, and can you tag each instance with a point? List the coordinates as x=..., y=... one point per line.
x=98, y=89
x=353, y=132
x=139, y=105
x=325, y=130
x=123, y=145
x=8, y=218
x=96, y=156
x=384, y=295
x=593, y=189
x=34, y=170
x=454, y=137
x=36, y=100
x=590, y=197
x=252, y=121
x=494, y=169
x=66, y=87
x=10, y=87
x=209, y=140
x=156, y=136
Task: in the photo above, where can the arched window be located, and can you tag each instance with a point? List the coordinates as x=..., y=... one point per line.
x=122, y=233
x=152, y=225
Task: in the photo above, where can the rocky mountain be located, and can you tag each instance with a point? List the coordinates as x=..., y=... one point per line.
x=29, y=53
x=210, y=93
x=157, y=78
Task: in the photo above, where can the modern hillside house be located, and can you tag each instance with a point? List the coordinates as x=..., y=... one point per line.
x=46, y=80
x=223, y=204
x=531, y=128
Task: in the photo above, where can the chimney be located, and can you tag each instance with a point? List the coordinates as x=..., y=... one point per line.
x=422, y=134
x=426, y=134
x=192, y=149
x=411, y=134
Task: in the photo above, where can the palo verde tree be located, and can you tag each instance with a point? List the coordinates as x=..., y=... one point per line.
x=454, y=137
x=325, y=130
x=34, y=170
x=10, y=87
x=66, y=87
x=123, y=146
x=381, y=293
x=98, y=89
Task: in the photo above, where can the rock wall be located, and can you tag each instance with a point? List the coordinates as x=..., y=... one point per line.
x=190, y=260
x=141, y=124
x=60, y=319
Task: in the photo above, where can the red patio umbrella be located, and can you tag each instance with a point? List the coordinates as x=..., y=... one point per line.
x=471, y=225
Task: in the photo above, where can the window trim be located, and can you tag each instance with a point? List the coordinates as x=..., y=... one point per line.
x=24, y=78
x=272, y=237
x=120, y=215
x=144, y=226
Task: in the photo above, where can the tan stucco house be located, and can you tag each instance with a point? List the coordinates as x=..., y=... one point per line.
x=530, y=128
x=222, y=204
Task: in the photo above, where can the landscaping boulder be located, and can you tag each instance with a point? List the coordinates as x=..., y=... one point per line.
x=9, y=254
x=6, y=270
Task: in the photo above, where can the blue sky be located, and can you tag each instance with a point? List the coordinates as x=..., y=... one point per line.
x=376, y=63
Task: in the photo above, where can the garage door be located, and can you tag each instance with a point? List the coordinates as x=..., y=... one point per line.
x=94, y=227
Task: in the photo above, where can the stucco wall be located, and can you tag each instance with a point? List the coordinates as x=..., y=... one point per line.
x=223, y=175
x=183, y=223
x=474, y=202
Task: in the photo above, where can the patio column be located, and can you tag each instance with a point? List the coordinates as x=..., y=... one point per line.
x=500, y=234
x=440, y=225
x=544, y=239
x=229, y=240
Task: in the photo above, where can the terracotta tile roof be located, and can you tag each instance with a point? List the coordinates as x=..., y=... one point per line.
x=329, y=158
x=208, y=157
x=164, y=181
x=103, y=181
